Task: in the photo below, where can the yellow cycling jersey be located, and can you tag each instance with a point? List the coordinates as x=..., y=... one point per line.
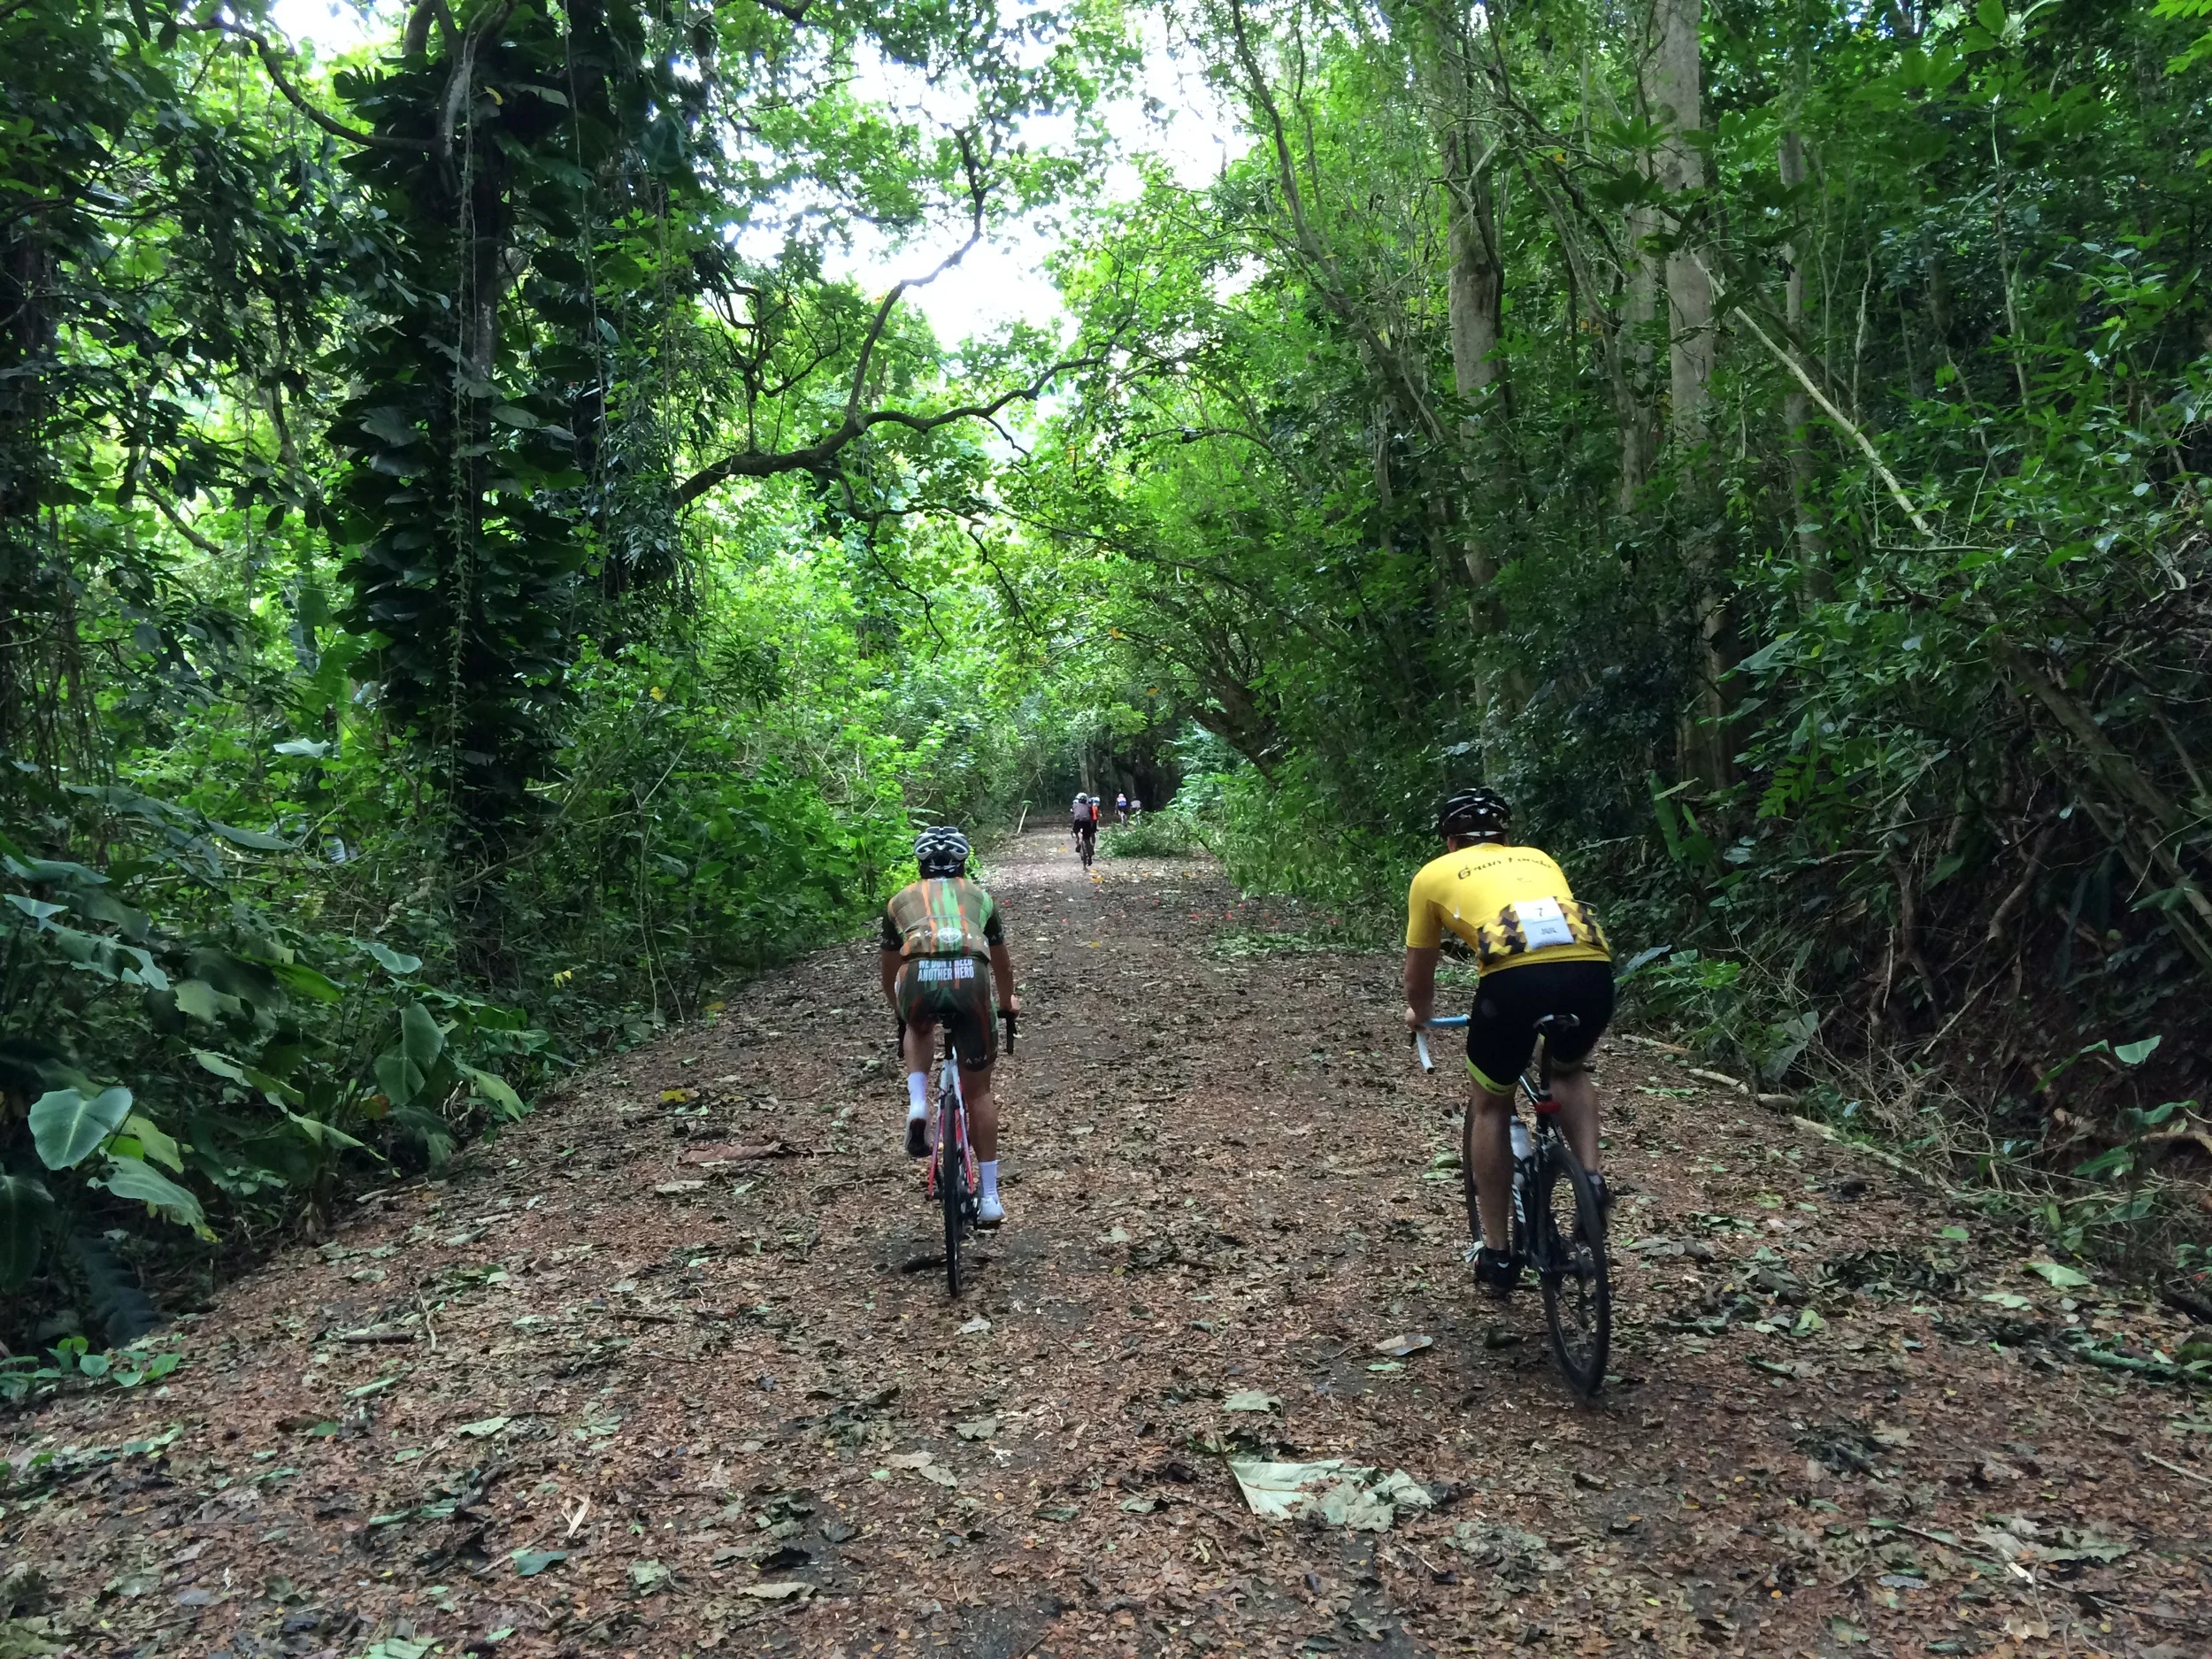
x=1511, y=903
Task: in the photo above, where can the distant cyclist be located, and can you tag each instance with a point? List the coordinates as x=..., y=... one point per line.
x=1085, y=823
x=937, y=934
x=1538, y=952
x=1121, y=805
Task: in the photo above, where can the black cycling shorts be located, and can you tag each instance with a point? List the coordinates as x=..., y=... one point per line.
x=958, y=1000
x=1509, y=1001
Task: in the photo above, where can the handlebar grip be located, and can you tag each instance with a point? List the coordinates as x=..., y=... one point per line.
x=1012, y=1021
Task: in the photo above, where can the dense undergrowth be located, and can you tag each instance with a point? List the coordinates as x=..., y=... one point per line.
x=1768, y=442
x=459, y=607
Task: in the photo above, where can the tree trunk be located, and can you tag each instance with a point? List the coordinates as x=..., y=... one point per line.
x=1797, y=408
x=1633, y=397
x=1672, y=96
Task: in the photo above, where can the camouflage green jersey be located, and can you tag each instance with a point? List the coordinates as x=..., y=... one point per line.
x=943, y=916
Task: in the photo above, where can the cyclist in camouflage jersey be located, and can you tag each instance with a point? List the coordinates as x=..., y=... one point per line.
x=937, y=934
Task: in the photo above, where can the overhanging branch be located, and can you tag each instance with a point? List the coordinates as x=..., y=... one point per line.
x=816, y=456
x=274, y=64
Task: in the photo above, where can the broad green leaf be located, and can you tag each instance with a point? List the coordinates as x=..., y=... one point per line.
x=38, y=910
x=153, y=1142
x=254, y=839
x=394, y=425
x=132, y=1177
x=2064, y=1278
x=202, y=1001
x=393, y=961
x=306, y=982
x=400, y=1077
x=2136, y=1053
x=221, y=1065
x=303, y=747
x=66, y=1127
x=419, y=1038
x=495, y=1089
x=26, y=1208
x=324, y=1135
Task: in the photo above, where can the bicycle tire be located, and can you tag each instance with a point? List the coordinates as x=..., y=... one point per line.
x=1572, y=1270
x=952, y=1190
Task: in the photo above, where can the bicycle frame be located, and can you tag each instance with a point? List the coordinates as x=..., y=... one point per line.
x=949, y=1086
x=1536, y=1084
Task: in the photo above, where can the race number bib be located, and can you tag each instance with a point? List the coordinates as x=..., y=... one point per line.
x=932, y=970
x=1542, y=923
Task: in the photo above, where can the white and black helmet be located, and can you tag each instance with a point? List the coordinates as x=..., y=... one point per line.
x=941, y=851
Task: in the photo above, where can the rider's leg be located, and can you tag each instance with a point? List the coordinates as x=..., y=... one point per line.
x=975, y=1088
x=1488, y=1149
x=919, y=1039
x=1578, y=1098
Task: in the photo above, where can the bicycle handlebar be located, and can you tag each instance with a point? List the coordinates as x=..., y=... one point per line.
x=1421, y=1041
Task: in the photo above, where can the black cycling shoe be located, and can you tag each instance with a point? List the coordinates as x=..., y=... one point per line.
x=1605, y=1194
x=917, y=1137
x=1497, y=1270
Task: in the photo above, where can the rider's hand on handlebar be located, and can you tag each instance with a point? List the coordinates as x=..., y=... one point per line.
x=1414, y=1022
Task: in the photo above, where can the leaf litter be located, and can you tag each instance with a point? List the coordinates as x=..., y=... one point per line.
x=732, y=1423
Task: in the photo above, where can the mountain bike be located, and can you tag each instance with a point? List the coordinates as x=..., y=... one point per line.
x=950, y=1177
x=1558, y=1224
x=1086, y=843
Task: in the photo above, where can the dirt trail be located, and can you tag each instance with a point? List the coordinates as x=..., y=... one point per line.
x=728, y=1390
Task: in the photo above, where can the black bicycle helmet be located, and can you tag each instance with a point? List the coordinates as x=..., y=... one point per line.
x=1476, y=814
x=943, y=851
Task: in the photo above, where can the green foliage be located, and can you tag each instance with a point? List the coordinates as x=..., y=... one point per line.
x=474, y=578
x=1876, y=704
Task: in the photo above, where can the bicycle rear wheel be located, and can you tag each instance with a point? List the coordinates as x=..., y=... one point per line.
x=952, y=1186
x=1568, y=1245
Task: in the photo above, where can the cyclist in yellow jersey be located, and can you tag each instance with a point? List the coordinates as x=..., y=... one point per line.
x=1538, y=952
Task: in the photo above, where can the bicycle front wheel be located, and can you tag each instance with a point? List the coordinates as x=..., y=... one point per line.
x=952, y=1189
x=1568, y=1247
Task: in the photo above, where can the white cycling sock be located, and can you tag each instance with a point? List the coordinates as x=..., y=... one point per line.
x=917, y=1094
x=989, y=1173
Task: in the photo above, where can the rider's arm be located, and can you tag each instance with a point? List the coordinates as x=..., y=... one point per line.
x=1001, y=961
x=1424, y=937
x=1420, y=978
x=888, y=963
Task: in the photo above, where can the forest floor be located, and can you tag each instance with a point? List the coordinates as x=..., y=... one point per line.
x=671, y=1368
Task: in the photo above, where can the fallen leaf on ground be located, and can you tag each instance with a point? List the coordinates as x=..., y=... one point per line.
x=1332, y=1492
x=1407, y=1342
x=1251, y=1400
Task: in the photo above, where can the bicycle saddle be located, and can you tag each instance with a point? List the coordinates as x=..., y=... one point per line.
x=1558, y=1024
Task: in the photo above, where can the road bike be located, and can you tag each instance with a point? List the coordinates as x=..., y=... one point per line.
x=950, y=1178
x=1558, y=1223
